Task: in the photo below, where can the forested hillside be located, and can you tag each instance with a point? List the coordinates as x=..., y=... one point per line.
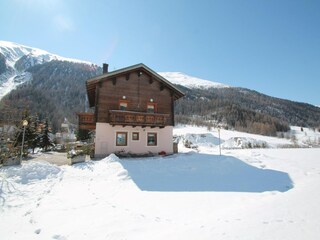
x=244, y=110
x=56, y=90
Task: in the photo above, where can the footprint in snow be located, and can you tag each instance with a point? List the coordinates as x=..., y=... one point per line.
x=27, y=213
x=37, y=231
x=59, y=237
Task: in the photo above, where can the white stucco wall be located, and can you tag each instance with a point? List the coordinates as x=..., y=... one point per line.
x=105, y=141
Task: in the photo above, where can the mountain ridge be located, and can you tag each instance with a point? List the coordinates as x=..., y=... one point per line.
x=16, y=58
x=62, y=84
x=19, y=50
x=180, y=78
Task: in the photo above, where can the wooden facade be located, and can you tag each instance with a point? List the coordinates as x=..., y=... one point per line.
x=134, y=96
x=87, y=121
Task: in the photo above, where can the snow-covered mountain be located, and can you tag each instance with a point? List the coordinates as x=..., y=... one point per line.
x=205, y=101
x=16, y=58
x=190, y=82
x=13, y=52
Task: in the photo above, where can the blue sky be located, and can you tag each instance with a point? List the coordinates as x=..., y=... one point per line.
x=271, y=46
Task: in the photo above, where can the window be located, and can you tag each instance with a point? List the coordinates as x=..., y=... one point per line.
x=123, y=105
x=135, y=136
x=151, y=107
x=152, y=139
x=121, y=138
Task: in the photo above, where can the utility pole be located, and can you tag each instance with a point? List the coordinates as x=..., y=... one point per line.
x=24, y=124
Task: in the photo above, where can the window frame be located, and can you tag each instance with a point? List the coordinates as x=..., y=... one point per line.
x=123, y=102
x=155, y=107
x=135, y=133
x=126, y=139
x=156, y=139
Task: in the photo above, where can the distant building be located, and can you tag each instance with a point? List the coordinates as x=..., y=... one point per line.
x=7, y=131
x=67, y=133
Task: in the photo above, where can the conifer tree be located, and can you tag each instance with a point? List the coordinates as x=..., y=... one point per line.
x=44, y=138
x=35, y=142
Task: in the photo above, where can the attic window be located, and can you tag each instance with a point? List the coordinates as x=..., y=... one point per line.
x=151, y=107
x=123, y=105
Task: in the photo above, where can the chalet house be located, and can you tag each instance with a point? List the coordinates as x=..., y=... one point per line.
x=133, y=111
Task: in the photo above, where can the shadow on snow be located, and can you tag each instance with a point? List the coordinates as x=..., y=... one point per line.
x=202, y=172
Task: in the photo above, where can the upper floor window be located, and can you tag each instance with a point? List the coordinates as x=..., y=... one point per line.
x=123, y=105
x=151, y=107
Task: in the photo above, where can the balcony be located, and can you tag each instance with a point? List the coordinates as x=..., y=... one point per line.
x=87, y=121
x=119, y=117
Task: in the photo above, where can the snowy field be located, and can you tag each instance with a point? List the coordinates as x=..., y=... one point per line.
x=257, y=193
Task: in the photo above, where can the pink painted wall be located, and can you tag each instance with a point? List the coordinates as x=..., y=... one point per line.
x=105, y=141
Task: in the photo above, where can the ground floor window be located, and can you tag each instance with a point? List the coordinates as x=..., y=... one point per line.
x=121, y=138
x=135, y=136
x=152, y=139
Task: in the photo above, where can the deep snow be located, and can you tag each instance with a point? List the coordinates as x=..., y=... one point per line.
x=196, y=194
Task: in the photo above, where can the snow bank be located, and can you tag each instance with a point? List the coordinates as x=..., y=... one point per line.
x=196, y=140
x=202, y=139
x=207, y=141
x=30, y=172
x=243, y=142
x=233, y=139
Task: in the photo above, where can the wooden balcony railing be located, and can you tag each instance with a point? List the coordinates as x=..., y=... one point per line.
x=87, y=121
x=118, y=117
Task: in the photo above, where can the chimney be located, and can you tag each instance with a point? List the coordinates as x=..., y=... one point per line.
x=105, y=68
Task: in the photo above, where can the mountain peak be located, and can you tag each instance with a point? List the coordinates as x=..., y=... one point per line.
x=190, y=82
x=15, y=59
x=14, y=51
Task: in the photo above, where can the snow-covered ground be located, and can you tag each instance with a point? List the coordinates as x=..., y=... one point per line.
x=202, y=138
x=256, y=193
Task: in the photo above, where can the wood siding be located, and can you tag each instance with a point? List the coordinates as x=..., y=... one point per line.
x=87, y=121
x=138, y=90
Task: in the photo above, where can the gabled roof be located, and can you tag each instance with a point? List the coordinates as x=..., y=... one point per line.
x=92, y=82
